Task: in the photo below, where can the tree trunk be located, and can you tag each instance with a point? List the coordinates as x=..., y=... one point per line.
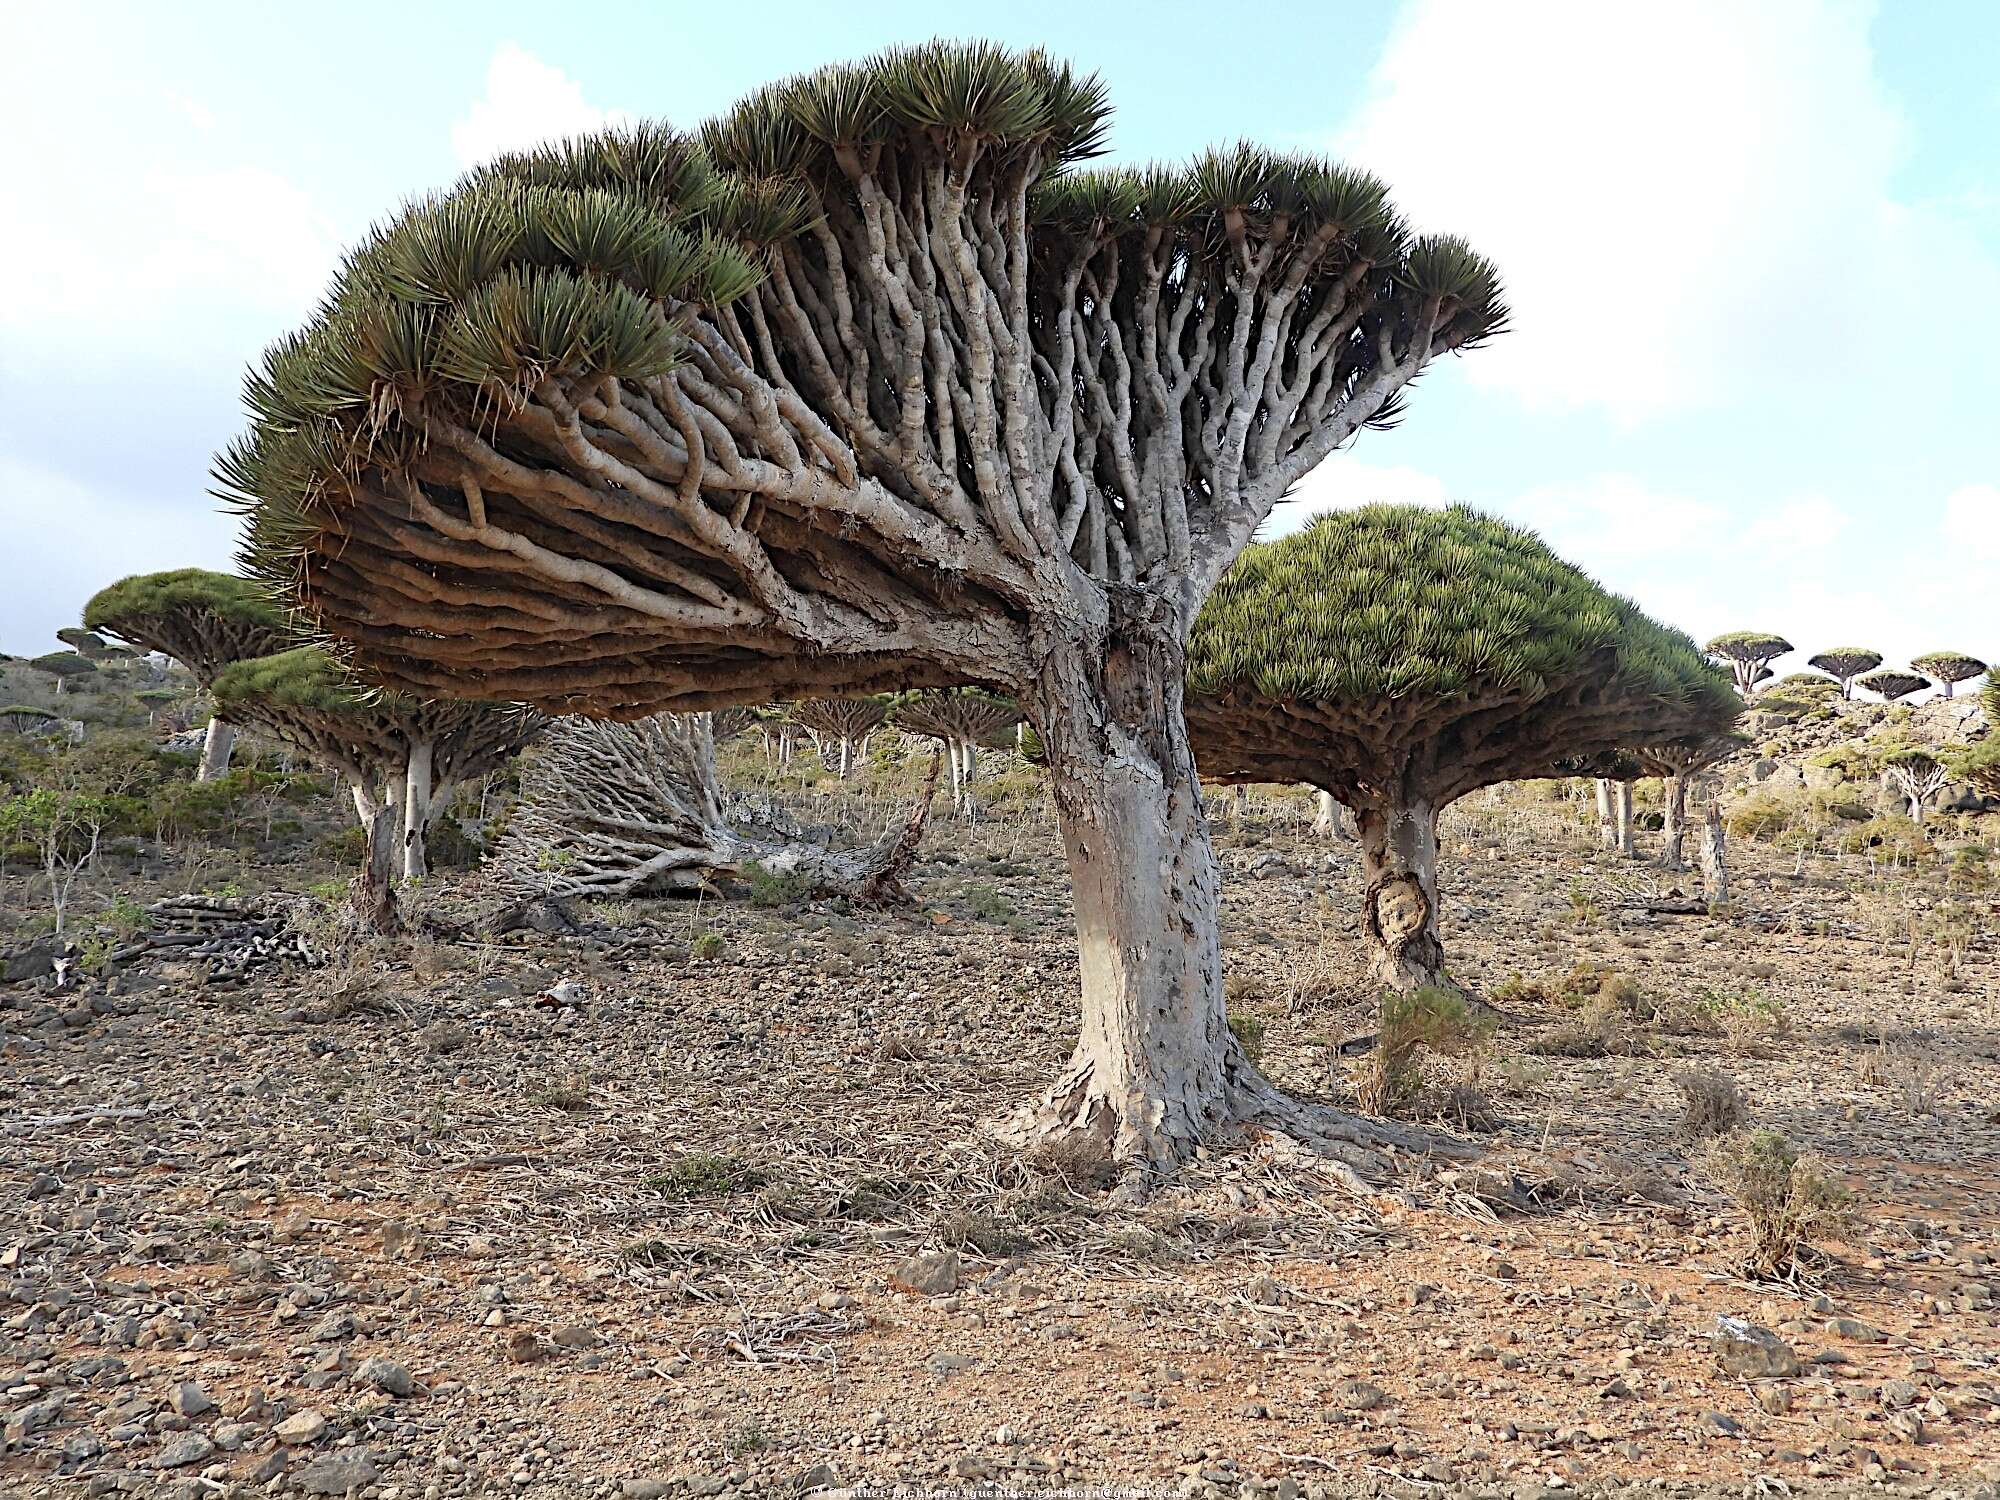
x=970, y=799
x=374, y=889
x=957, y=774
x=1622, y=801
x=1714, y=862
x=215, y=748
x=1607, y=829
x=1331, y=820
x=416, y=810
x=1399, y=856
x=1673, y=854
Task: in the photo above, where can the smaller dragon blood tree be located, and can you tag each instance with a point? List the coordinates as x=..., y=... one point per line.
x=1749, y=654
x=1892, y=685
x=1948, y=667
x=401, y=756
x=1400, y=658
x=202, y=620
x=1845, y=663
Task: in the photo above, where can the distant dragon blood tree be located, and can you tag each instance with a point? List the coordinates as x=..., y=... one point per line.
x=1948, y=667
x=1980, y=763
x=202, y=620
x=1892, y=685
x=870, y=385
x=64, y=667
x=401, y=757
x=1400, y=658
x=1674, y=762
x=1845, y=663
x=839, y=727
x=1749, y=654
x=1918, y=774
x=961, y=719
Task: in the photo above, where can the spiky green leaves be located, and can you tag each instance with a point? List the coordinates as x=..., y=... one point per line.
x=1393, y=601
x=1844, y=662
x=184, y=591
x=63, y=664
x=302, y=678
x=955, y=94
x=1892, y=684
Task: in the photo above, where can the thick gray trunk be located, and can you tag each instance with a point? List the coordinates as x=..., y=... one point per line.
x=1621, y=797
x=1155, y=1063
x=374, y=889
x=365, y=803
x=215, y=747
x=1399, y=856
x=1607, y=825
x=416, y=810
x=1673, y=854
x=968, y=801
x=1714, y=860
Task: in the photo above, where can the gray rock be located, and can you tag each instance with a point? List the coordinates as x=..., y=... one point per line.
x=1358, y=1395
x=385, y=1375
x=1854, y=1328
x=1750, y=1352
x=943, y=1363
x=929, y=1275
x=301, y=1427
x=332, y=1328
x=646, y=1489
x=574, y=1336
x=190, y=1400
x=32, y=960
x=1897, y=1394
x=188, y=1448
x=818, y=1477
x=339, y=1473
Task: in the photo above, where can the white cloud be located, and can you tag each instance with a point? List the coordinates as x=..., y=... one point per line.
x=1972, y=521
x=527, y=101
x=1687, y=202
x=1603, y=522
x=1342, y=482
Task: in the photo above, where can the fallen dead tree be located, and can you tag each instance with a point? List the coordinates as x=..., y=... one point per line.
x=611, y=809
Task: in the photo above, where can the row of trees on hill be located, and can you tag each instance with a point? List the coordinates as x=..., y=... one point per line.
x=1749, y=654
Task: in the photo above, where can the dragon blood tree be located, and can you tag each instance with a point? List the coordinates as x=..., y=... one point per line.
x=1749, y=654
x=1845, y=663
x=1400, y=658
x=1675, y=762
x=961, y=719
x=1980, y=762
x=202, y=620
x=1892, y=685
x=1948, y=667
x=1918, y=774
x=402, y=757
x=868, y=386
x=839, y=727
x=64, y=666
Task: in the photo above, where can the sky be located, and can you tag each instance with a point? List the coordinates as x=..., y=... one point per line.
x=1752, y=249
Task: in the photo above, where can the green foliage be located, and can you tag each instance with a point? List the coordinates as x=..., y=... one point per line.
x=709, y=944
x=1980, y=764
x=1761, y=815
x=183, y=591
x=1748, y=646
x=1400, y=601
x=304, y=677
x=63, y=664
x=1893, y=837
x=702, y=1174
x=84, y=642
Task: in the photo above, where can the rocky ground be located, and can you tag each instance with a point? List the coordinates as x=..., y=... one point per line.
x=697, y=1205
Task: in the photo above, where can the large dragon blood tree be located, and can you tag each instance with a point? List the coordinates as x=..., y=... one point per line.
x=401, y=757
x=868, y=385
x=202, y=620
x=1400, y=658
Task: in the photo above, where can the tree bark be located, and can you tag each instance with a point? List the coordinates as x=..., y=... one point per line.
x=1607, y=830
x=1399, y=855
x=969, y=799
x=1714, y=860
x=215, y=747
x=374, y=889
x=1621, y=795
x=1155, y=1061
x=416, y=810
x=1673, y=853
